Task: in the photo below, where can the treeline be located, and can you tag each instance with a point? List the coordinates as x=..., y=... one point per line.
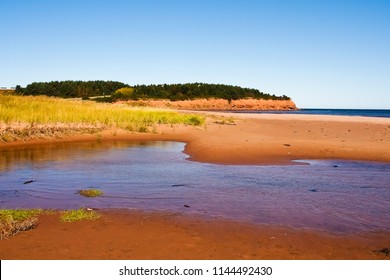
x=71, y=89
x=119, y=91
x=191, y=91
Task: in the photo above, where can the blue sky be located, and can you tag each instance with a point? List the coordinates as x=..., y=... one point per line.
x=323, y=54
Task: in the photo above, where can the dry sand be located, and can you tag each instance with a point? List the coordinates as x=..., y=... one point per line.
x=227, y=139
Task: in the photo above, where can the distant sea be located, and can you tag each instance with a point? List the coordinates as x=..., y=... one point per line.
x=337, y=112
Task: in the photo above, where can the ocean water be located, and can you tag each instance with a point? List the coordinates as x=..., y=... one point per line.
x=335, y=112
x=332, y=195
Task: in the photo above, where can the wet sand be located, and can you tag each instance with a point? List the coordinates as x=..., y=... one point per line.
x=134, y=235
x=248, y=139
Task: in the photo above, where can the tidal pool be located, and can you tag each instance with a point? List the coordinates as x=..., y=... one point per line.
x=333, y=195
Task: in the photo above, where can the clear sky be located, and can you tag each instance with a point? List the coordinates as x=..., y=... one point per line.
x=323, y=54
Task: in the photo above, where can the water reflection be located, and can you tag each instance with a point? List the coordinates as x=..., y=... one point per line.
x=12, y=158
x=338, y=196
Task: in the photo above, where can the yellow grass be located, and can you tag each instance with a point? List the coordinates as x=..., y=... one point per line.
x=47, y=112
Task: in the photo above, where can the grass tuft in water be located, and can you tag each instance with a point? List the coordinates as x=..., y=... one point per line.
x=91, y=192
x=69, y=216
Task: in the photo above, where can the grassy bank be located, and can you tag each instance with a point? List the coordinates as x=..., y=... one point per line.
x=22, y=115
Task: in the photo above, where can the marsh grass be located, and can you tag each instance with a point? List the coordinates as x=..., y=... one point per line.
x=79, y=215
x=29, y=116
x=13, y=221
x=91, y=192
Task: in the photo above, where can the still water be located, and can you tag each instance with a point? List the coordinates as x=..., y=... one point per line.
x=333, y=195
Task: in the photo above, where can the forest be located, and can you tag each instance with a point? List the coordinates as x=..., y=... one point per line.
x=71, y=89
x=110, y=91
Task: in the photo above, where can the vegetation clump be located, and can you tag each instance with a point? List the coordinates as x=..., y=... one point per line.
x=79, y=215
x=225, y=121
x=91, y=192
x=384, y=251
x=13, y=221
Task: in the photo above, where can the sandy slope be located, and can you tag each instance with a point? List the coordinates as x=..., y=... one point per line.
x=218, y=104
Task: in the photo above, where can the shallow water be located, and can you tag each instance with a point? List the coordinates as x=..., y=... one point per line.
x=334, y=195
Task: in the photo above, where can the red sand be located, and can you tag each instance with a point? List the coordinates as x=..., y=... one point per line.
x=134, y=235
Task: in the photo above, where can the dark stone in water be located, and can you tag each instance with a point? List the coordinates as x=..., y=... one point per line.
x=187, y=206
x=336, y=165
x=312, y=190
x=28, y=182
x=178, y=185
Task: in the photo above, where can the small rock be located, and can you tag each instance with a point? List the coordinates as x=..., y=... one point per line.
x=187, y=206
x=28, y=182
x=312, y=190
x=178, y=185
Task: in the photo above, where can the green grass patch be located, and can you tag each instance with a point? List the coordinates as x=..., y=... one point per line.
x=13, y=221
x=91, y=192
x=79, y=215
x=42, y=110
x=225, y=121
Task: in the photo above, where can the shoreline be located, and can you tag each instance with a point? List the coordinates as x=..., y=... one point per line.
x=225, y=139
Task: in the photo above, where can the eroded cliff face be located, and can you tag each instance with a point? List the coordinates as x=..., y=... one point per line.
x=219, y=104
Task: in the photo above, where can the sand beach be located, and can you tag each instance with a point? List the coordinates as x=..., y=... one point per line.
x=249, y=139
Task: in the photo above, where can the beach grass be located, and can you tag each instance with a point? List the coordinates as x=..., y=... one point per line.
x=13, y=221
x=69, y=216
x=91, y=192
x=55, y=115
